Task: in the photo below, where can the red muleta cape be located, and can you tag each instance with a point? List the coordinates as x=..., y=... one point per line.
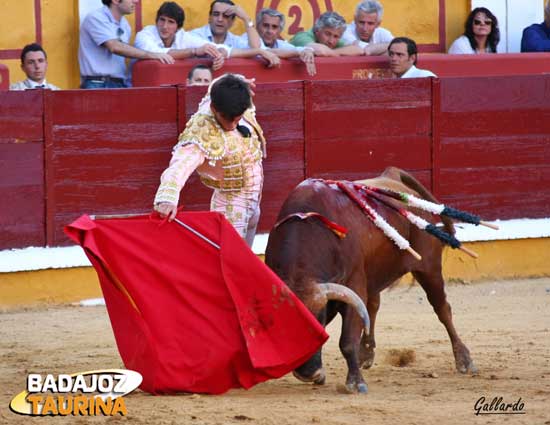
x=190, y=317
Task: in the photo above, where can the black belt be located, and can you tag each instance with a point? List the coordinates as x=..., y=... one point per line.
x=104, y=79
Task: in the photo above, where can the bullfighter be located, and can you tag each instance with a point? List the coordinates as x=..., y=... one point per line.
x=225, y=144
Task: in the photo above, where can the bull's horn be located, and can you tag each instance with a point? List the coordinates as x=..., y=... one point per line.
x=337, y=292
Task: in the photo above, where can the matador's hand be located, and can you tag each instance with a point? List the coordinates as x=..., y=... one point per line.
x=166, y=210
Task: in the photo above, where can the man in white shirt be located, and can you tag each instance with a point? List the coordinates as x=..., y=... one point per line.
x=34, y=64
x=220, y=19
x=403, y=55
x=365, y=30
x=168, y=36
x=270, y=24
x=104, y=46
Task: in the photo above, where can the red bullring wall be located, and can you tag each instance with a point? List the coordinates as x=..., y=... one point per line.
x=478, y=143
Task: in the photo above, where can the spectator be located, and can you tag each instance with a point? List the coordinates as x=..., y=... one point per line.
x=225, y=144
x=168, y=36
x=536, y=38
x=270, y=24
x=481, y=34
x=104, y=36
x=199, y=75
x=325, y=37
x=365, y=29
x=220, y=19
x=403, y=55
x=34, y=64
x=277, y=48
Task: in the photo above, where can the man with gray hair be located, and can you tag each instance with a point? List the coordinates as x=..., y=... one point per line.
x=270, y=23
x=536, y=37
x=365, y=30
x=325, y=37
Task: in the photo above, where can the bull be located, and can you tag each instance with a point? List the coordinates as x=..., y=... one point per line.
x=330, y=274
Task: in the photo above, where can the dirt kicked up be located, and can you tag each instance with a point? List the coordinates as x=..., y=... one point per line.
x=505, y=324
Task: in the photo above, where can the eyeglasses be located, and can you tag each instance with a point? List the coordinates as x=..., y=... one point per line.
x=486, y=22
x=119, y=33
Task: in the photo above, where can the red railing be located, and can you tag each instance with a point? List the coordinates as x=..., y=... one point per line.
x=154, y=74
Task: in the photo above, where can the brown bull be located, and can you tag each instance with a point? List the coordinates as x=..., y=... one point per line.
x=306, y=253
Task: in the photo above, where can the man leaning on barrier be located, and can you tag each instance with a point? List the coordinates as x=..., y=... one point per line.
x=325, y=37
x=104, y=37
x=168, y=36
x=221, y=18
x=365, y=30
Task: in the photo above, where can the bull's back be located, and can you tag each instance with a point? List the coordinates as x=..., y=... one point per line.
x=309, y=246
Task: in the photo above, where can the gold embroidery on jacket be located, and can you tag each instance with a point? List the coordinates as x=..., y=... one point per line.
x=235, y=152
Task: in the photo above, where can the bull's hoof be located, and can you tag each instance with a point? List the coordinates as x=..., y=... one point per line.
x=368, y=360
x=356, y=388
x=318, y=378
x=463, y=361
x=469, y=368
x=366, y=355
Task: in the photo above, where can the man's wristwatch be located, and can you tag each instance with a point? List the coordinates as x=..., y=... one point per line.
x=250, y=24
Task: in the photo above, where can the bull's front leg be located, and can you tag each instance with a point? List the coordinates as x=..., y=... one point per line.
x=313, y=370
x=368, y=343
x=352, y=327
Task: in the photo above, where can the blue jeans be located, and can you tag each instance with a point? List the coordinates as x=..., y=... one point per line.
x=96, y=84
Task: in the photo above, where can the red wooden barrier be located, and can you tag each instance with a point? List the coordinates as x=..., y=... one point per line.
x=481, y=144
x=105, y=151
x=154, y=74
x=495, y=145
x=488, y=65
x=4, y=77
x=21, y=169
x=358, y=128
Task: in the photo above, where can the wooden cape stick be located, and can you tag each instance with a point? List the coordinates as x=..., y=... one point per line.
x=176, y=220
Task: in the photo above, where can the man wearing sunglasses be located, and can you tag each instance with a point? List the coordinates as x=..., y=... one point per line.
x=220, y=19
x=536, y=38
x=104, y=37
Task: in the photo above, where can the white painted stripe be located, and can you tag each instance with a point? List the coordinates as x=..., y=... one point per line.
x=28, y=259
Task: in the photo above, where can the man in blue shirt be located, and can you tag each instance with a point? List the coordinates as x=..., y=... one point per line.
x=104, y=37
x=536, y=38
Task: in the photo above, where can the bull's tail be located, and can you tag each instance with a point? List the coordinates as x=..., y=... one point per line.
x=409, y=181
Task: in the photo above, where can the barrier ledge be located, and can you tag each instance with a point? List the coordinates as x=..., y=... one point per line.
x=43, y=276
x=148, y=73
x=4, y=77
